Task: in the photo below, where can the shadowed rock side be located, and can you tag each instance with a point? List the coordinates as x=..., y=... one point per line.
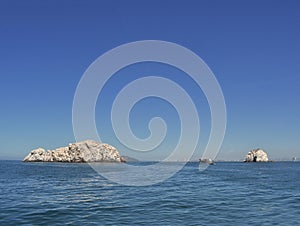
x=84, y=151
x=257, y=155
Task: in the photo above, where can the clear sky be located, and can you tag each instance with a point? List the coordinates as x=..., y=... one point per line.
x=253, y=48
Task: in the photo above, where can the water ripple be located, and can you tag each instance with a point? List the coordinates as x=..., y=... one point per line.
x=226, y=194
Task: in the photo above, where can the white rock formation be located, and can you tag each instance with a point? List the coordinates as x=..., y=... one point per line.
x=85, y=151
x=256, y=155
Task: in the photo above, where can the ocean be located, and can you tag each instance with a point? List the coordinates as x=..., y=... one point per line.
x=228, y=193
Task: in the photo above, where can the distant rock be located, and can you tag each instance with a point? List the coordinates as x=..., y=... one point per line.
x=84, y=151
x=256, y=155
x=208, y=161
x=294, y=159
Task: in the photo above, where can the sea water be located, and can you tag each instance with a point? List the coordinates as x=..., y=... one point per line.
x=227, y=193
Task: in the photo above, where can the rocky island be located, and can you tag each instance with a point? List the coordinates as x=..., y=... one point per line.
x=256, y=155
x=84, y=151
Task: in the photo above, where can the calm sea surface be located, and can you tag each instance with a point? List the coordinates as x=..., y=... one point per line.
x=224, y=194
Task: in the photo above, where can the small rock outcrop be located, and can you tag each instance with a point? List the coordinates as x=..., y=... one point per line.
x=256, y=155
x=208, y=161
x=129, y=159
x=85, y=151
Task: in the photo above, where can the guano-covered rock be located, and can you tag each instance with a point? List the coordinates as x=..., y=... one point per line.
x=84, y=151
x=256, y=155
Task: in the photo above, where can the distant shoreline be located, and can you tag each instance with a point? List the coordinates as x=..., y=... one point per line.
x=193, y=161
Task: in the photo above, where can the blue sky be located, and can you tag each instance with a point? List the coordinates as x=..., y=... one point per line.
x=252, y=47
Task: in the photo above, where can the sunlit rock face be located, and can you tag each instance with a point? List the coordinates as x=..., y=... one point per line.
x=84, y=151
x=257, y=155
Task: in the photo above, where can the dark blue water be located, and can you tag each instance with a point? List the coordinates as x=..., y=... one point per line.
x=224, y=194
